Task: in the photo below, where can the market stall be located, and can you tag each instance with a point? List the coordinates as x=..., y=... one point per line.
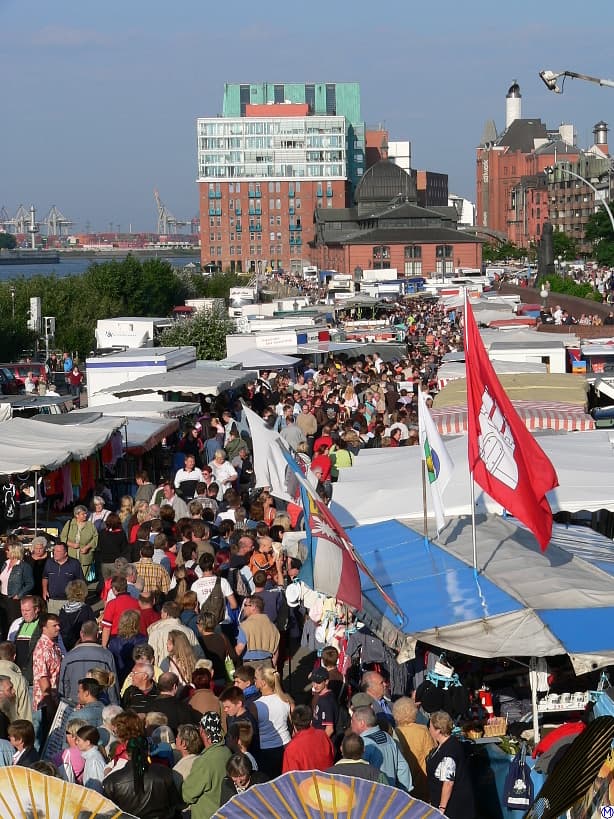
x=385, y=484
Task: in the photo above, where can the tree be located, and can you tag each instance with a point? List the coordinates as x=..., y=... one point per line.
x=206, y=330
x=564, y=246
x=15, y=338
x=121, y=287
x=218, y=284
x=599, y=231
x=7, y=241
x=502, y=252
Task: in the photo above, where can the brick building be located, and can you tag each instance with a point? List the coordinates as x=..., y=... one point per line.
x=388, y=229
x=511, y=200
x=277, y=153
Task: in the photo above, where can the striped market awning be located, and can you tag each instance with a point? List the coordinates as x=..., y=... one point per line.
x=553, y=415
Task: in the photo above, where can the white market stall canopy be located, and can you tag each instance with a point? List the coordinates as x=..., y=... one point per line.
x=26, y=445
x=139, y=435
x=143, y=434
x=260, y=359
x=144, y=409
x=384, y=484
x=522, y=602
x=192, y=381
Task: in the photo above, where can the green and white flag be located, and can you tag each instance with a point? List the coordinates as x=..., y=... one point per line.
x=439, y=465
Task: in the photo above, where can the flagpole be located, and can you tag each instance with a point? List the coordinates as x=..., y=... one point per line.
x=474, y=540
x=424, y=509
x=471, y=482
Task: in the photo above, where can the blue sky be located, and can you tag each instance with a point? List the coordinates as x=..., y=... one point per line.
x=100, y=98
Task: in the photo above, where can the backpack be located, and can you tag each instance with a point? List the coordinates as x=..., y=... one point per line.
x=238, y=583
x=518, y=788
x=216, y=602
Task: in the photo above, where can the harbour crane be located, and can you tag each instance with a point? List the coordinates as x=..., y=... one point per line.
x=56, y=224
x=167, y=223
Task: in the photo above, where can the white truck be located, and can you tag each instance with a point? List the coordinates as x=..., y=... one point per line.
x=129, y=333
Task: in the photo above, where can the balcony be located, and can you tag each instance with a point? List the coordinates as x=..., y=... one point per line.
x=291, y=194
x=252, y=211
x=215, y=194
x=291, y=210
x=237, y=211
x=238, y=227
x=257, y=195
x=329, y=193
x=296, y=227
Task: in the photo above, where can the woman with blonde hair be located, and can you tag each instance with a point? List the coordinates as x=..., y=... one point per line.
x=268, y=505
x=16, y=580
x=126, y=510
x=74, y=613
x=273, y=710
x=180, y=659
x=122, y=644
x=415, y=742
x=104, y=678
x=141, y=514
x=350, y=399
x=283, y=519
x=448, y=774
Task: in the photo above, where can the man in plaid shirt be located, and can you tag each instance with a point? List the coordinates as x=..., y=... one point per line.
x=154, y=576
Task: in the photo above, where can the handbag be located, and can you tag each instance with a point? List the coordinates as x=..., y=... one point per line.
x=91, y=575
x=230, y=668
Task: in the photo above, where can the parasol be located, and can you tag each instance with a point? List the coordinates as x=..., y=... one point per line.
x=317, y=795
x=25, y=793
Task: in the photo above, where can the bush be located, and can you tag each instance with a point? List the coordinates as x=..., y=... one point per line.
x=565, y=284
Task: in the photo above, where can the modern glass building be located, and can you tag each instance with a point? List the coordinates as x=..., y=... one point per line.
x=276, y=154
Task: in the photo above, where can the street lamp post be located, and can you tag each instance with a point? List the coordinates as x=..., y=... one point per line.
x=550, y=170
x=550, y=79
x=13, y=300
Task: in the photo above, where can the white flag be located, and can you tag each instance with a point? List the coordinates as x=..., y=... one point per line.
x=439, y=465
x=270, y=466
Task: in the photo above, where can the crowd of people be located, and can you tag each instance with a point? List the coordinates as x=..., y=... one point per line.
x=172, y=692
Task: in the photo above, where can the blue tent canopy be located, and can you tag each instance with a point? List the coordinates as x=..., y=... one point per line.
x=523, y=602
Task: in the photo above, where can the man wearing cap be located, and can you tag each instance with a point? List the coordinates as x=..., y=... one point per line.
x=202, y=787
x=325, y=708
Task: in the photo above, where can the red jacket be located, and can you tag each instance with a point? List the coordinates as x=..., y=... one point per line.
x=309, y=750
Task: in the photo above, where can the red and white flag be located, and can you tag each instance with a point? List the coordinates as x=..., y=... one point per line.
x=505, y=459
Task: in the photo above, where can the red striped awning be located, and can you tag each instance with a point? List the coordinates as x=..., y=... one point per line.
x=554, y=415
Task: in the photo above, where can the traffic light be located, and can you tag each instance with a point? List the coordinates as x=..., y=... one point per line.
x=49, y=327
x=34, y=314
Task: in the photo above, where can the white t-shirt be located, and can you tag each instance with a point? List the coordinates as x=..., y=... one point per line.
x=204, y=586
x=273, y=714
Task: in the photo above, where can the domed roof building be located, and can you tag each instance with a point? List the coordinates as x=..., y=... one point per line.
x=387, y=229
x=382, y=184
